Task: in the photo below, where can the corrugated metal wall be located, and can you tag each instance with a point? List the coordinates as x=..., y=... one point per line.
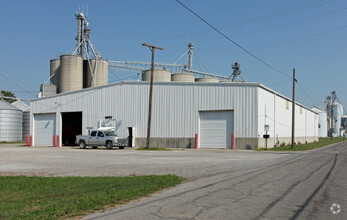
x=278, y=111
x=175, y=107
x=11, y=125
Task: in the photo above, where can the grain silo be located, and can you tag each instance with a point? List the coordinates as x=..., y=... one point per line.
x=183, y=77
x=55, y=73
x=71, y=73
x=337, y=115
x=158, y=75
x=10, y=122
x=322, y=122
x=206, y=80
x=26, y=117
x=95, y=69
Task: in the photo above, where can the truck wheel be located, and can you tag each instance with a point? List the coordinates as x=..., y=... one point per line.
x=109, y=145
x=82, y=145
x=121, y=147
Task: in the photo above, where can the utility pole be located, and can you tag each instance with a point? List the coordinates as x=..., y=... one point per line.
x=152, y=48
x=331, y=120
x=293, y=109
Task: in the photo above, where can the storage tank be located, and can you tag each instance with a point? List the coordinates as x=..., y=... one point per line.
x=55, y=73
x=98, y=67
x=206, y=80
x=322, y=124
x=10, y=122
x=158, y=75
x=337, y=115
x=183, y=77
x=26, y=117
x=71, y=73
x=344, y=122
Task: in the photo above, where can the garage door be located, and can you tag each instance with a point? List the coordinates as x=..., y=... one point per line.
x=44, y=129
x=216, y=128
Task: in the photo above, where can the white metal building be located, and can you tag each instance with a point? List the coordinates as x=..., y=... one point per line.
x=322, y=122
x=180, y=110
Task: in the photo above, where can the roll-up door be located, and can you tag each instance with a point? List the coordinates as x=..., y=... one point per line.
x=216, y=128
x=44, y=129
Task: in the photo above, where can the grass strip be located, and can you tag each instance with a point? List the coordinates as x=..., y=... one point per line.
x=24, y=197
x=309, y=146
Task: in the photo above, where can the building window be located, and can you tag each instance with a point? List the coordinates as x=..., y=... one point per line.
x=287, y=105
x=300, y=110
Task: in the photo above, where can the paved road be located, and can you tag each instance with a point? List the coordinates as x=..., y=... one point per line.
x=299, y=186
x=222, y=184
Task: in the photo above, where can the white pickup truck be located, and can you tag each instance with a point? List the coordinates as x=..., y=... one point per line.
x=98, y=138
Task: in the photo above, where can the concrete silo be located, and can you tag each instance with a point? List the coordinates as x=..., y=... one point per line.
x=71, y=73
x=95, y=69
x=158, y=75
x=10, y=122
x=55, y=73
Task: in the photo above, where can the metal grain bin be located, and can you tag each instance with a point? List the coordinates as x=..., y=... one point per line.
x=183, y=77
x=10, y=122
x=206, y=80
x=158, y=75
x=26, y=118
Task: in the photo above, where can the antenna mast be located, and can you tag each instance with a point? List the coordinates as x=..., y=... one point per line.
x=236, y=73
x=190, y=56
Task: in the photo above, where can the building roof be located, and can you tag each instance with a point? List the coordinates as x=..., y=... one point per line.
x=21, y=105
x=248, y=84
x=317, y=110
x=7, y=106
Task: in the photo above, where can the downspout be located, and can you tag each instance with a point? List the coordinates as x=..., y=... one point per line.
x=275, y=119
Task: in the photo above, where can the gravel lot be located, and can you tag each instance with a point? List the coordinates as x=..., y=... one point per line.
x=72, y=161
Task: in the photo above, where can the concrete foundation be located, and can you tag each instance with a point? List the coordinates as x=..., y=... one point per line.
x=255, y=143
x=240, y=143
x=246, y=143
x=167, y=142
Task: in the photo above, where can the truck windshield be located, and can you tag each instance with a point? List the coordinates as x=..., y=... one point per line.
x=110, y=133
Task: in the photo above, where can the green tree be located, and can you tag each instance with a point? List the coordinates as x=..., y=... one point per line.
x=8, y=94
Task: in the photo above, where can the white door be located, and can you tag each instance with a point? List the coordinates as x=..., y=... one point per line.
x=216, y=128
x=44, y=129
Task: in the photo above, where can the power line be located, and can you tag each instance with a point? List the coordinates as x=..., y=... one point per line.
x=284, y=42
x=276, y=84
x=280, y=13
x=247, y=21
x=17, y=85
x=309, y=97
x=229, y=39
x=248, y=52
x=276, y=26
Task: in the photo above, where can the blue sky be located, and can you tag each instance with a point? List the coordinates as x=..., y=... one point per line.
x=307, y=35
